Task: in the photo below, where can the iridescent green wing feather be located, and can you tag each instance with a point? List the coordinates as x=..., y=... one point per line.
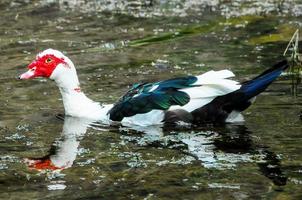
x=143, y=98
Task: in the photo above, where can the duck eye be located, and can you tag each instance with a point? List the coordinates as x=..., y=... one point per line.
x=48, y=60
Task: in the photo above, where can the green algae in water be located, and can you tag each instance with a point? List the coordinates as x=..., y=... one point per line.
x=283, y=34
x=194, y=30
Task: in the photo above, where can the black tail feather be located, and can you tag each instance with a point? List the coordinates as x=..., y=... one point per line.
x=282, y=65
x=261, y=82
x=219, y=109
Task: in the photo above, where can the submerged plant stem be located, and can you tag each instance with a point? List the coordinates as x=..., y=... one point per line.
x=295, y=57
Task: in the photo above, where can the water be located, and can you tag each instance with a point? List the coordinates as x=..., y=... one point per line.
x=115, y=44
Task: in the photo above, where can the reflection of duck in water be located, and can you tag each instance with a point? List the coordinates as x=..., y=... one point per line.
x=237, y=140
x=64, y=152
x=208, y=98
x=219, y=148
x=216, y=148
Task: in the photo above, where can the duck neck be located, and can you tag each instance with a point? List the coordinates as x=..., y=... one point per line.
x=69, y=92
x=76, y=103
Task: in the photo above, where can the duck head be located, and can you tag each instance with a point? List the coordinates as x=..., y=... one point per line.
x=54, y=65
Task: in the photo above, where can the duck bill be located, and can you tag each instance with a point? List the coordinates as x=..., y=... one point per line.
x=31, y=73
x=27, y=75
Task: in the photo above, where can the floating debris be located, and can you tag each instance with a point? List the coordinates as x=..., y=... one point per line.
x=161, y=64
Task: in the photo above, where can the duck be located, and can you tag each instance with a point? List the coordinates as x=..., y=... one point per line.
x=64, y=150
x=210, y=98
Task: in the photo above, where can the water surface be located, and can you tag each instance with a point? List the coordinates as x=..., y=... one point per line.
x=114, y=44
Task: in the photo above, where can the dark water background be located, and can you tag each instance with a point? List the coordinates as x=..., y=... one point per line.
x=116, y=43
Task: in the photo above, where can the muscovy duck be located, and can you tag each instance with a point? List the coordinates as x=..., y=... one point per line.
x=208, y=98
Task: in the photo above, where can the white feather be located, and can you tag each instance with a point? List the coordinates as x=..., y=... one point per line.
x=209, y=86
x=150, y=118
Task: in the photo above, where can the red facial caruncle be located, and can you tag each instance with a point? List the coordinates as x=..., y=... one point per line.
x=42, y=67
x=41, y=164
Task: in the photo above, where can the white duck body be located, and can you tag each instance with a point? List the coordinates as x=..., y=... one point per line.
x=77, y=104
x=207, y=97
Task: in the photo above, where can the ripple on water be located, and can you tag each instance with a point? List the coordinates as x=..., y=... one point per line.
x=16, y=136
x=140, y=8
x=117, y=43
x=220, y=185
x=56, y=186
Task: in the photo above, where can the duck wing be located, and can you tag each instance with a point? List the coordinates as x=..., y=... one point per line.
x=145, y=97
